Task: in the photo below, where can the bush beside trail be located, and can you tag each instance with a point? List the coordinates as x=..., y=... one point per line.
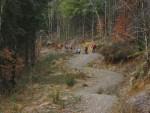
x=117, y=52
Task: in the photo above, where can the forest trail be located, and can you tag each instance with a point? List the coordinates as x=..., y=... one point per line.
x=80, y=61
x=101, y=92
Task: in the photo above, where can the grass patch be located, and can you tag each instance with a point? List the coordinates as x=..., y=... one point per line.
x=123, y=107
x=70, y=80
x=49, y=79
x=42, y=72
x=36, y=80
x=46, y=65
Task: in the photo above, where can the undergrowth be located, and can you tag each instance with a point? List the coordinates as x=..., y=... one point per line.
x=42, y=73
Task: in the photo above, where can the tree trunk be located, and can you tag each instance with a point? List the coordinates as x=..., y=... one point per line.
x=92, y=27
x=68, y=30
x=2, y=5
x=27, y=52
x=32, y=48
x=105, y=18
x=83, y=27
x=0, y=22
x=66, y=33
x=51, y=26
x=98, y=16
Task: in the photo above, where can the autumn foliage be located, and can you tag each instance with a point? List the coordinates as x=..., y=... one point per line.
x=123, y=26
x=120, y=29
x=10, y=65
x=100, y=27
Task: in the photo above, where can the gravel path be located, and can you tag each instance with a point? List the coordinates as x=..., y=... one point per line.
x=79, y=61
x=100, y=95
x=140, y=102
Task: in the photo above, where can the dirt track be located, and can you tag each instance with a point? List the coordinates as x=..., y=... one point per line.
x=100, y=95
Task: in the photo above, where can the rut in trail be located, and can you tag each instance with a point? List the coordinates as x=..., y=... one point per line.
x=101, y=93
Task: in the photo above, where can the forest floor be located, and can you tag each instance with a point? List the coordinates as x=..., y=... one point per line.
x=66, y=83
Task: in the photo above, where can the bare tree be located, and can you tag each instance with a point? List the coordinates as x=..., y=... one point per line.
x=96, y=11
x=2, y=6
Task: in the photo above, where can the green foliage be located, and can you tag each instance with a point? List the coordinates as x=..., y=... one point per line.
x=43, y=71
x=21, y=19
x=72, y=8
x=73, y=18
x=70, y=80
x=55, y=96
x=19, y=22
x=67, y=7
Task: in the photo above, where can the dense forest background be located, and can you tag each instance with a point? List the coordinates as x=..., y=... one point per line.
x=22, y=21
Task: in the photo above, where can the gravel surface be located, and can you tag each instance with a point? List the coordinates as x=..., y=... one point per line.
x=100, y=95
x=141, y=102
x=94, y=103
x=101, y=81
x=79, y=61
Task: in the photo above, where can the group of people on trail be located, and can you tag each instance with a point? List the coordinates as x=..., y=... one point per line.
x=89, y=47
x=78, y=51
x=68, y=47
x=86, y=47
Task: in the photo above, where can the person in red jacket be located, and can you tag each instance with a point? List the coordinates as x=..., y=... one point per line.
x=94, y=47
